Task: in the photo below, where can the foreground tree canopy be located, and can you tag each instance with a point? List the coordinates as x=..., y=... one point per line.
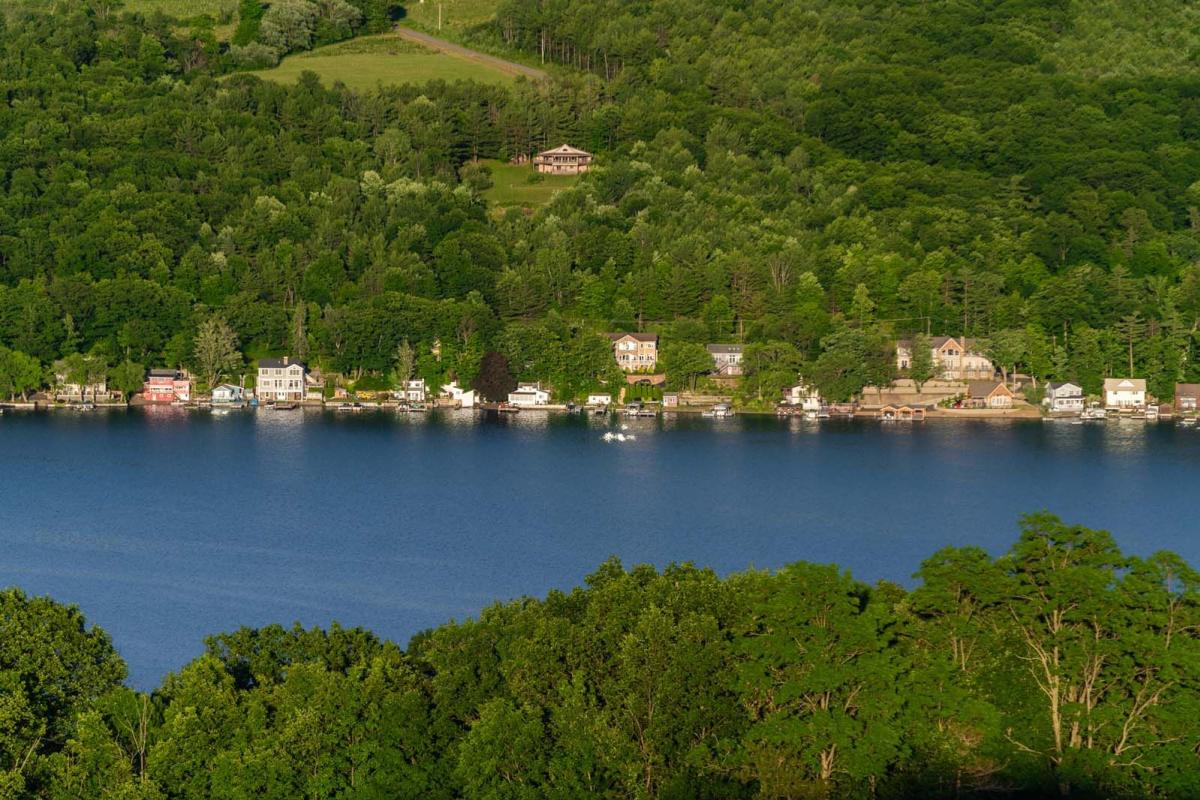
x=1061, y=667
x=813, y=178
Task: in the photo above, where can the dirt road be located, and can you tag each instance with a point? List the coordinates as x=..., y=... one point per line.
x=458, y=51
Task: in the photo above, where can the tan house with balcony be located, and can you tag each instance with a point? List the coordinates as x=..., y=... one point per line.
x=280, y=380
x=635, y=352
x=957, y=358
x=562, y=160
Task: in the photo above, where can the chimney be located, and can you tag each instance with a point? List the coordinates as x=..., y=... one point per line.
x=285, y=360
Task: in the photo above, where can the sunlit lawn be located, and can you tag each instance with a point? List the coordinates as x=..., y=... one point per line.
x=511, y=187
x=368, y=62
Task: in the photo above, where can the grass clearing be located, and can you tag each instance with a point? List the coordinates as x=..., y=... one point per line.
x=458, y=16
x=367, y=62
x=511, y=187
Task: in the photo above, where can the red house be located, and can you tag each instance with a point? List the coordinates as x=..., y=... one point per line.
x=167, y=386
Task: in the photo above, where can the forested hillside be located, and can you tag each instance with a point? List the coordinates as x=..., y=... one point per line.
x=811, y=178
x=1062, y=668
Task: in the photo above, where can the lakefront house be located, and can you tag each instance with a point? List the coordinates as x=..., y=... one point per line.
x=635, y=352
x=727, y=359
x=529, y=394
x=1063, y=397
x=954, y=359
x=1187, y=398
x=281, y=380
x=1128, y=394
x=562, y=160
x=802, y=396
x=989, y=394
x=167, y=386
x=227, y=393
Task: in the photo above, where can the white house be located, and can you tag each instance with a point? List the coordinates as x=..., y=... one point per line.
x=1125, y=393
x=465, y=398
x=802, y=395
x=529, y=394
x=280, y=380
x=1063, y=397
x=227, y=393
x=601, y=400
x=413, y=391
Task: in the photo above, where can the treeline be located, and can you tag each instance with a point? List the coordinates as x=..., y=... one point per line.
x=1062, y=668
x=812, y=180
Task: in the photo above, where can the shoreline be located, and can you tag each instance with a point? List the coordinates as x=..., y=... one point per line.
x=873, y=415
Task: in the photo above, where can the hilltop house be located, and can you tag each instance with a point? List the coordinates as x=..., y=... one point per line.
x=281, y=380
x=1187, y=397
x=1125, y=393
x=954, y=359
x=1063, y=397
x=989, y=394
x=562, y=160
x=227, y=393
x=635, y=352
x=727, y=359
x=529, y=394
x=167, y=386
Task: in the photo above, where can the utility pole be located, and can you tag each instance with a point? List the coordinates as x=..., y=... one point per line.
x=439, y=16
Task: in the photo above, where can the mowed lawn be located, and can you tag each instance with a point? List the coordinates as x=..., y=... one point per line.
x=511, y=187
x=385, y=59
x=458, y=16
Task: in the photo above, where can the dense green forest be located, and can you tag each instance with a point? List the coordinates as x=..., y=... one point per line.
x=1062, y=668
x=812, y=178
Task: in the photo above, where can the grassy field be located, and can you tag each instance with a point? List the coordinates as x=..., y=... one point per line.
x=511, y=187
x=457, y=15
x=367, y=62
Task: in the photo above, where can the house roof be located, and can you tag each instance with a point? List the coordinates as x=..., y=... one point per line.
x=226, y=386
x=564, y=150
x=1187, y=390
x=163, y=373
x=724, y=348
x=1125, y=384
x=641, y=337
x=937, y=342
x=1054, y=386
x=276, y=363
x=986, y=388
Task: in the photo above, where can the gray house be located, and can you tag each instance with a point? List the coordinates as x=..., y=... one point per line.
x=727, y=358
x=1063, y=397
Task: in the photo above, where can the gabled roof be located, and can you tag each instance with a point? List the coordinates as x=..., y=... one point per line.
x=164, y=373
x=724, y=348
x=641, y=337
x=1125, y=384
x=1187, y=390
x=278, y=363
x=564, y=150
x=1054, y=386
x=987, y=388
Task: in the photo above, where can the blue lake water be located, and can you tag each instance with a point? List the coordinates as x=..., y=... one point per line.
x=169, y=525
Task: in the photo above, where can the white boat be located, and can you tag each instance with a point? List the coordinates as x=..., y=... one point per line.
x=1187, y=422
x=1095, y=412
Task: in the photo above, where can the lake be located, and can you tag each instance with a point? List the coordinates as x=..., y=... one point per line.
x=167, y=525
